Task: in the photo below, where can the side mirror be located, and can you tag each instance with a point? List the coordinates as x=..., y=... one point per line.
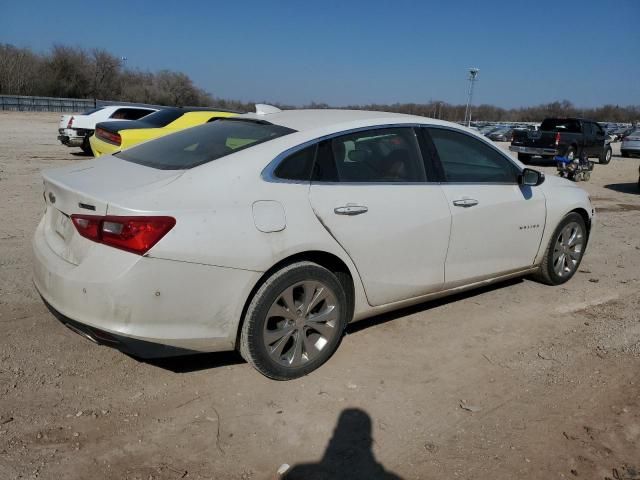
x=530, y=177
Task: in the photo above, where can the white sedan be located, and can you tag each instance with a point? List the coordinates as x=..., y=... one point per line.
x=270, y=232
x=75, y=130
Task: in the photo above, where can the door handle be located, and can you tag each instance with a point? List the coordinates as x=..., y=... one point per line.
x=351, y=210
x=465, y=202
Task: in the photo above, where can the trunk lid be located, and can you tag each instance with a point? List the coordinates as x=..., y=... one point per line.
x=86, y=189
x=64, y=121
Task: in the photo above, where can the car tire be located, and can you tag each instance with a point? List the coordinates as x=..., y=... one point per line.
x=86, y=146
x=564, y=252
x=605, y=157
x=524, y=157
x=287, y=330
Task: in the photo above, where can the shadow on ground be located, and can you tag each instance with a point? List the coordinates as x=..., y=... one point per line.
x=205, y=361
x=196, y=362
x=632, y=187
x=348, y=454
x=422, y=307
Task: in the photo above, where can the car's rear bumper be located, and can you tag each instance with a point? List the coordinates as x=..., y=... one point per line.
x=534, y=150
x=630, y=147
x=146, y=306
x=73, y=137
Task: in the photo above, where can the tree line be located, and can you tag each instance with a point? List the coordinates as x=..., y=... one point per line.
x=79, y=73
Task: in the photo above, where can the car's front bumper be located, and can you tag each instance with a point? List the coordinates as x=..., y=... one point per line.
x=141, y=305
x=545, y=152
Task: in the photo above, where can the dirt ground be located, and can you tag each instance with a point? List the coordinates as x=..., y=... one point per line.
x=520, y=380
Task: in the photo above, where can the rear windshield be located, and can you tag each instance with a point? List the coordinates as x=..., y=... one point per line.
x=560, y=125
x=195, y=146
x=162, y=118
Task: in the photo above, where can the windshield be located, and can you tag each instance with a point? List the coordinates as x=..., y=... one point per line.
x=560, y=125
x=195, y=146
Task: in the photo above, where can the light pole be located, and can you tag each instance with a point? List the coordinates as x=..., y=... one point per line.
x=473, y=77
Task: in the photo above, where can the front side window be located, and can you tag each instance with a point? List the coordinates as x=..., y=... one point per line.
x=470, y=160
x=195, y=146
x=379, y=155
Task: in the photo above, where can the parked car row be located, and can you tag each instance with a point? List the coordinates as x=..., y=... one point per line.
x=76, y=130
x=114, y=128
x=269, y=232
x=617, y=132
x=563, y=137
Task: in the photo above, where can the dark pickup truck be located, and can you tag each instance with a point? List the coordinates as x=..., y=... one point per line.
x=570, y=137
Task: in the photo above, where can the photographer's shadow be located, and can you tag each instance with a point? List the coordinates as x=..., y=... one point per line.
x=348, y=455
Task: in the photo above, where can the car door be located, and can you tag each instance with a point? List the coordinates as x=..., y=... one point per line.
x=598, y=140
x=497, y=224
x=370, y=191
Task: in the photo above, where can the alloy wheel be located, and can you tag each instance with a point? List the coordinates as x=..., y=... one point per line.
x=302, y=320
x=568, y=249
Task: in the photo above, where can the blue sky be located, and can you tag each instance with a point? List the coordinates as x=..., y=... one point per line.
x=339, y=52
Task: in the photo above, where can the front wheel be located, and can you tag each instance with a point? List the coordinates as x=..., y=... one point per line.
x=605, y=157
x=564, y=251
x=294, y=322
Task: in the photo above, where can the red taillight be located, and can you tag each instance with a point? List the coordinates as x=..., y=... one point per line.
x=108, y=136
x=70, y=122
x=557, y=139
x=133, y=234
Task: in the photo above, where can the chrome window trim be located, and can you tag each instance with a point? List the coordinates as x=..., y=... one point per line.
x=268, y=173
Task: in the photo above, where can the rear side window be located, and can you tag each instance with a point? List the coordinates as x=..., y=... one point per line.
x=195, y=146
x=297, y=166
x=560, y=125
x=468, y=160
x=129, y=113
x=381, y=155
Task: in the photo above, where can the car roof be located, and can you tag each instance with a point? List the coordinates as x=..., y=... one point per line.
x=337, y=119
x=200, y=109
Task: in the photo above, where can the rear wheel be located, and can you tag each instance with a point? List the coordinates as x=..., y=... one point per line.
x=294, y=322
x=524, y=157
x=564, y=251
x=86, y=146
x=605, y=157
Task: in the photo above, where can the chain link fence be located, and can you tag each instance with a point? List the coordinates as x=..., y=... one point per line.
x=21, y=103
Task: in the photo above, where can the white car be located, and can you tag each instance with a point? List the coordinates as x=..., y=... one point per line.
x=270, y=232
x=75, y=130
x=631, y=144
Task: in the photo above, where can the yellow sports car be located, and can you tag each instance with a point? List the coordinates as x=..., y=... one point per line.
x=111, y=137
